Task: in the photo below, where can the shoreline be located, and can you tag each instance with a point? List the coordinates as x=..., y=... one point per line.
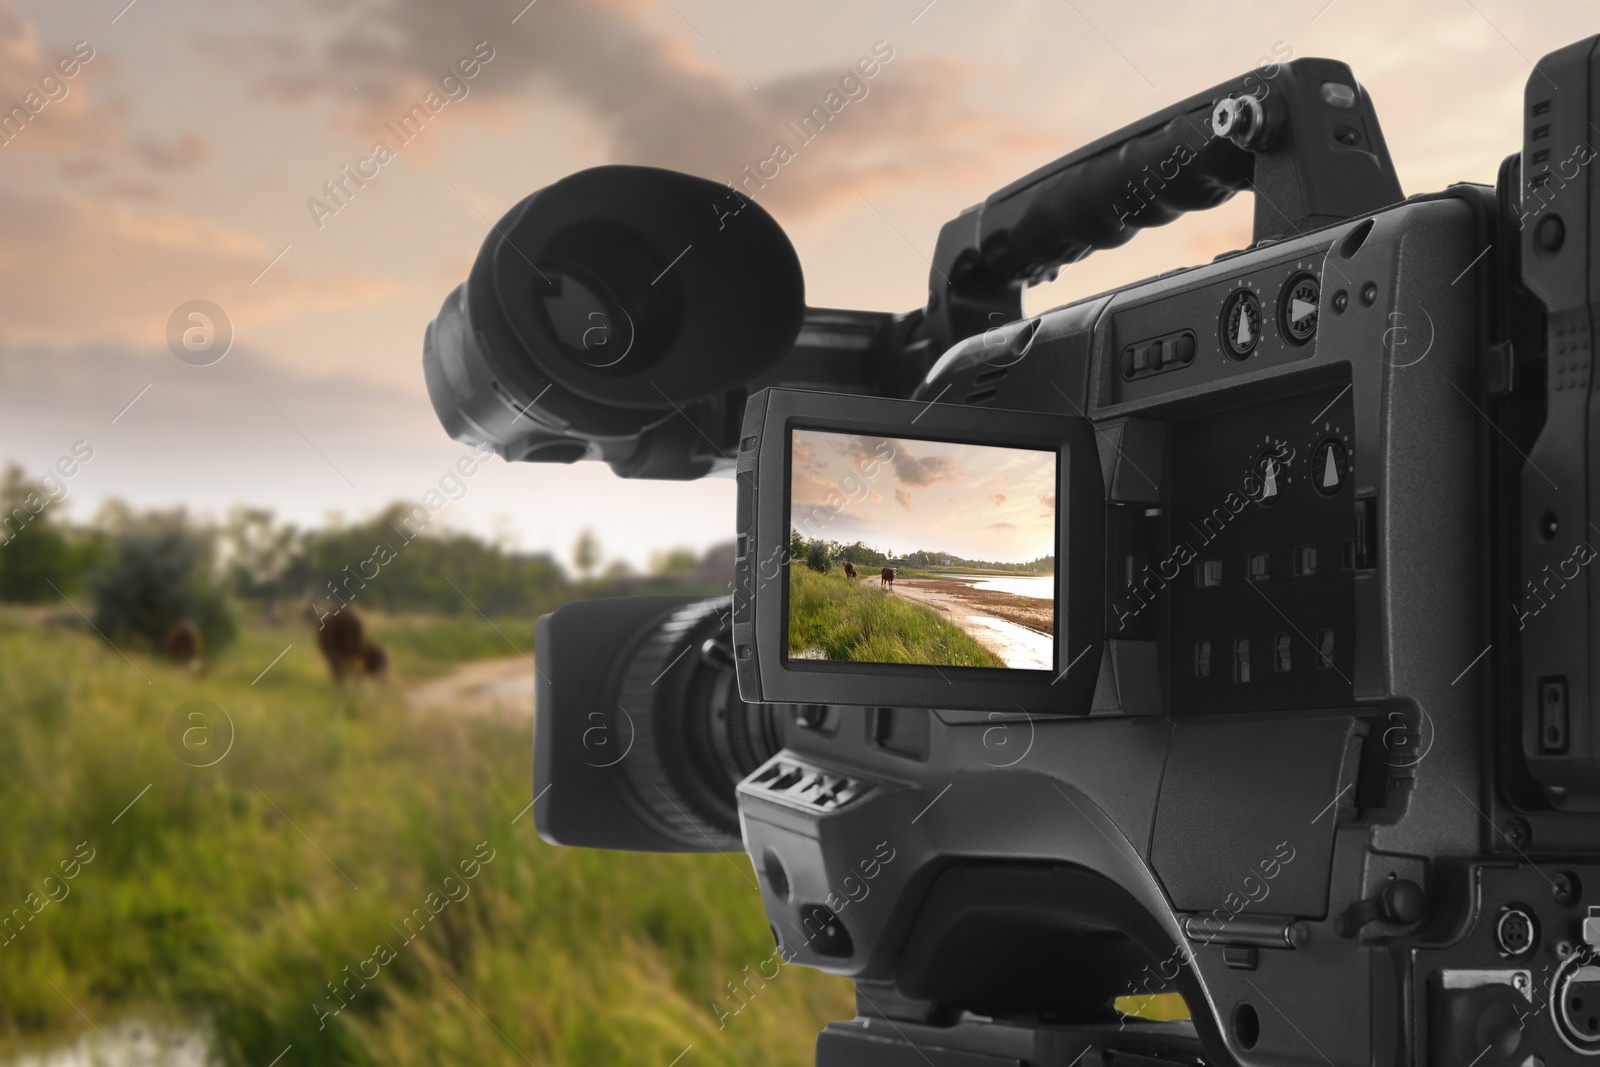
x=1032, y=613
x=1018, y=629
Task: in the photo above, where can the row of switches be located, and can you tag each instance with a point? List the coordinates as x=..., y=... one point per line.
x=1161, y=354
x=1282, y=649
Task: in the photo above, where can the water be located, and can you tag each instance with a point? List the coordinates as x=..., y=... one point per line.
x=1019, y=647
x=133, y=1042
x=1037, y=587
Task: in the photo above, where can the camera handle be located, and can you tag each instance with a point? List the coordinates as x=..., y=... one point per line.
x=1302, y=136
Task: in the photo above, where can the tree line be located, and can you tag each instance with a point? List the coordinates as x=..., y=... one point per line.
x=143, y=572
x=857, y=553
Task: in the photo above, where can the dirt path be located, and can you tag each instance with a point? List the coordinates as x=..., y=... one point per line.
x=1019, y=646
x=482, y=687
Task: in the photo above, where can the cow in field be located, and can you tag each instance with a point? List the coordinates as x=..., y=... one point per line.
x=374, y=660
x=184, y=646
x=344, y=643
x=886, y=578
x=849, y=570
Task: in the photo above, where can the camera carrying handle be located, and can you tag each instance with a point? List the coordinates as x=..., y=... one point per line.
x=1302, y=136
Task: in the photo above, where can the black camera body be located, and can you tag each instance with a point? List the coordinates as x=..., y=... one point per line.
x=1302, y=728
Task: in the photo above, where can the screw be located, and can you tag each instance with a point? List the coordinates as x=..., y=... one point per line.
x=1517, y=833
x=1564, y=890
x=1369, y=293
x=1224, y=116
x=1341, y=300
x=1240, y=119
x=1562, y=949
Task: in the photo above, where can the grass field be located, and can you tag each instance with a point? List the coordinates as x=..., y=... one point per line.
x=425, y=646
x=235, y=897
x=862, y=623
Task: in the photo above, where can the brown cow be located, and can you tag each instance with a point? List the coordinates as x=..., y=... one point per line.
x=343, y=639
x=374, y=660
x=849, y=570
x=184, y=645
x=886, y=578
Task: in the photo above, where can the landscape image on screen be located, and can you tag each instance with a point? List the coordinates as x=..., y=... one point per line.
x=921, y=552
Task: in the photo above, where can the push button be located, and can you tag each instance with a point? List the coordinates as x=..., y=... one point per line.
x=1338, y=94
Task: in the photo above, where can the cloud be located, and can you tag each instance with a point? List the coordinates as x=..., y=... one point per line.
x=190, y=433
x=180, y=153
x=1048, y=500
x=904, y=498
x=132, y=190
x=651, y=96
x=918, y=473
x=62, y=115
x=860, y=451
x=808, y=489
x=89, y=269
x=921, y=473
x=1002, y=526
x=997, y=499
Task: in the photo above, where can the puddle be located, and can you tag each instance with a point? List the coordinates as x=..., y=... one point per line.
x=1020, y=647
x=129, y=1044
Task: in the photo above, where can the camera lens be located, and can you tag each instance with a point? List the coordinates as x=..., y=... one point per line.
x=696, y=738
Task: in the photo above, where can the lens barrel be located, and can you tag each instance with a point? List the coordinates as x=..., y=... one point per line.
x=640, y=737
x=696, y=739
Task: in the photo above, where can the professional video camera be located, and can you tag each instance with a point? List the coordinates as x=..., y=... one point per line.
x=1241, y=648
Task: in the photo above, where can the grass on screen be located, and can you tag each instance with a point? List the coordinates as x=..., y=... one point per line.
x=862, y=623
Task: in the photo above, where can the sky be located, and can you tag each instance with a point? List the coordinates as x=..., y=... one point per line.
x=978, y=502
x=183, y=157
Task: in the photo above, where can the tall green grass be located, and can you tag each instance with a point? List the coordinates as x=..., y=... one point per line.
x=230, y=896
x=424, y=646
x=863, y=623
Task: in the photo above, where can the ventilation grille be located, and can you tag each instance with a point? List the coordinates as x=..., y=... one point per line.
x=986, y=384
x=794, y=782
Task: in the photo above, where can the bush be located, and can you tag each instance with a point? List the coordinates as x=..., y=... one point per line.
x=36, y=559
x=159, y=574
x=817, y=557
x=392, y=563
x=35, y=564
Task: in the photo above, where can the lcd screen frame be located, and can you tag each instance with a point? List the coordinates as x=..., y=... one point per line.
x=761, y=608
